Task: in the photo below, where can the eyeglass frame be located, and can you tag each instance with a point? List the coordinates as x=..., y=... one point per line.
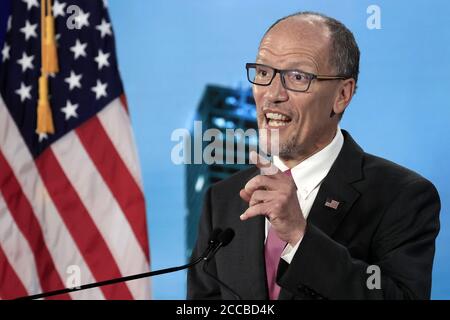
x=311, y=76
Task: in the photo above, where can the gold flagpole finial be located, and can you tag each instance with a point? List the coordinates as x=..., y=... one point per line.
x=49, y=64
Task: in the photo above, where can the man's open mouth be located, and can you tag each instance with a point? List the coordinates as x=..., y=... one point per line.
x=276, y=120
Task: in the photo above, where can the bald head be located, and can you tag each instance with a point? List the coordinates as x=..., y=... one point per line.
x=337, y=41
x=310, y=36
x=300, y=24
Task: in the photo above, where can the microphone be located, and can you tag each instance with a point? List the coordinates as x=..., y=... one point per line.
x=213, y=242
x=223, y=240
x=215, y=239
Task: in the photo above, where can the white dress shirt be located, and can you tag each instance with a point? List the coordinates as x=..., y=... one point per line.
x=308, y=176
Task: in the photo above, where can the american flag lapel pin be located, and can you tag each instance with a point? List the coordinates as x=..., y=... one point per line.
x=331, y=203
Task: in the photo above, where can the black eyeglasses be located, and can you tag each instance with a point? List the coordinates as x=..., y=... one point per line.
x=294, y=80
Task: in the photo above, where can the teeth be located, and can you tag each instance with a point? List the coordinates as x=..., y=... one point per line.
x=276, y=123
x=276, y=116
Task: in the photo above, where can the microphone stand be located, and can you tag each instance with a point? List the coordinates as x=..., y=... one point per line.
x=213, y=242
x=217, y=240
x=205, y=269
x=223, y=240
x=111, y=281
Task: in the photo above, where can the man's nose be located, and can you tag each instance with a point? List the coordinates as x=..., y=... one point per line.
x=276, y=91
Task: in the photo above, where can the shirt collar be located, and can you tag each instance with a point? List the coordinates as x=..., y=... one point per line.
x=309, y=173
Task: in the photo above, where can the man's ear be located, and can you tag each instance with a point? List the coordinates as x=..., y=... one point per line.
x=345, y=93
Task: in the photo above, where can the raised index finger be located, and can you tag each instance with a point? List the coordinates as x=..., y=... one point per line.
x=264, y=164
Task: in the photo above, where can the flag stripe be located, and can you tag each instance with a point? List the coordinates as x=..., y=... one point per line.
x=103, y=208
x=90, y=227
x=56, y=236
x=24, y=217
x=123, y=100
x=116, y=122
x=19, y=253
x=11, y=286
x=119, y=180
x=80, y=225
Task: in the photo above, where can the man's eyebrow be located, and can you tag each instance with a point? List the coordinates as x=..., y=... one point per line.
x=301, y=65
x=297, y=65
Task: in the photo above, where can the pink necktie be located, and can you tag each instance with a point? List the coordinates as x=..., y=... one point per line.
x=272, y=252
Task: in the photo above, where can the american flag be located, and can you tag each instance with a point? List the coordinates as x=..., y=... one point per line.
x=331, y=203
x=73, y=200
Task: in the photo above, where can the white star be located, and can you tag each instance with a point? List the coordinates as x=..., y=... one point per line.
x=58, y=9
x=70, y=110
x=74, y=80
x=42, y=136
x=102, y=59
x=105, y=3
x=79, y=49
x=31, y=4
x=82, y=19
x=24, y=92
x=29, y=30
x=104, y=28
x=26, y=62
x=9, y=23
x=5, y=52
x=100, y=89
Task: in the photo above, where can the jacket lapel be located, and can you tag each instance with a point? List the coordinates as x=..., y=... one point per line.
x=336, y=195
x=252, y=254
x=324, y=213
x=337, y=186
x=256, y=272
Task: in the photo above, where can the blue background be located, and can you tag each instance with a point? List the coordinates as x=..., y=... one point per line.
x=400, y=112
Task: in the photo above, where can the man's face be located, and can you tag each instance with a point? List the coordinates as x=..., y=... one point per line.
x=302, y=45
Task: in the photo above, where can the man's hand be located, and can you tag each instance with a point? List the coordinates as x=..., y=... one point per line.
x=275, y=196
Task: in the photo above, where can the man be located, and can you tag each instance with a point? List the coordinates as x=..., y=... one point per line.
x=338, y=223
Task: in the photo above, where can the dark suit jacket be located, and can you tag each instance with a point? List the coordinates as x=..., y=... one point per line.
x=388, y=216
